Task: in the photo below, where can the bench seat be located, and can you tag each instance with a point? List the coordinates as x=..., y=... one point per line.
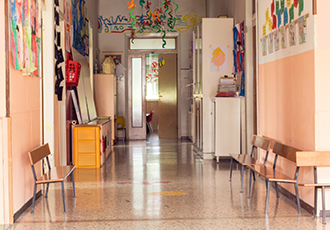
x=245, y=159
x=271, y=174
x=57, y=174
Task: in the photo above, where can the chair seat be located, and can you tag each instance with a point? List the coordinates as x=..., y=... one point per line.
x=271, y=174
x=318, y=185
x=56, y=174
x=244, y=159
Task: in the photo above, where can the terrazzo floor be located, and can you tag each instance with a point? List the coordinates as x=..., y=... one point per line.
x=162, y=184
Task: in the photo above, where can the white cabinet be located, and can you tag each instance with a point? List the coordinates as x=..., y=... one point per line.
x=226, y=126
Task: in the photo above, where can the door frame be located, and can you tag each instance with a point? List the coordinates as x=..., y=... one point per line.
x=144, y=52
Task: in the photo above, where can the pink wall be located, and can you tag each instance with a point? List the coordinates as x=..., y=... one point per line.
x=286, y=103
x=26, y=121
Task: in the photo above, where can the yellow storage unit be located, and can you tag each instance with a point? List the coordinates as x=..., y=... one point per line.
x=86, y=144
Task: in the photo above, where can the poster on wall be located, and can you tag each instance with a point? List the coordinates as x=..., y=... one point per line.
x=292, y=34
x=302, y=25
x=218, y=58
x=79, y=25
x=264, y=46
x=67, y=17
x=25, y=36
x=270, y=43
x=276, y=40
x=283, y=37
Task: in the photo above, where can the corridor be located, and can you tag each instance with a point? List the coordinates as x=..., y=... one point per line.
x=162, y=184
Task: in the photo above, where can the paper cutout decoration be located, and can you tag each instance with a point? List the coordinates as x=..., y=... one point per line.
x=219, y=59
x=270, y=25
x=277, y=7
x=264, y=30
x=286, y=17
x=302, y=29
x=264, y=46
x=272, y=8
x=283, y=37
x=301, y=6
x=292, y=34
x=270, y=43
x=276, y=40
x=282, y=6
x=295, y=3
x=279, y=18
x=291, y=11
x=274, y=22
x=288, y=3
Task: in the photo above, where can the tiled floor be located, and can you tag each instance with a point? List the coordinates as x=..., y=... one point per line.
x=162, y=184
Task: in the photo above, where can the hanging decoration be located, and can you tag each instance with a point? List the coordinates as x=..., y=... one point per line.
x=163, y=19
x=152, y=75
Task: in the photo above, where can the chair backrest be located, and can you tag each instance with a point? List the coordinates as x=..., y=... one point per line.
x=285, y=151
x=313, y=158
x=150, y=116
x=39, y=153
x=261, y=142
x=121, y=122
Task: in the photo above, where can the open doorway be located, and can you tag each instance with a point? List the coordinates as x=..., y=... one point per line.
x=157, y=79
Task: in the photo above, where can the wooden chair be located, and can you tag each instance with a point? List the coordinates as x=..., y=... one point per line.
x=245, y=159
x=54, y=175
x=271, y=174
x=315, y=159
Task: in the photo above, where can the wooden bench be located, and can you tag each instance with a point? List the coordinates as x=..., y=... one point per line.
x=54, y=175
x=272, y=174
x=315, y=159
x=245, y=159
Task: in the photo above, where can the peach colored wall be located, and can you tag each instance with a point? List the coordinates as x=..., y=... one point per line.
x=2, y=63
x=26, y=121
x=286, y=106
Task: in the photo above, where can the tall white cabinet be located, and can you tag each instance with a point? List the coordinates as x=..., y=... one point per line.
x=213, y=37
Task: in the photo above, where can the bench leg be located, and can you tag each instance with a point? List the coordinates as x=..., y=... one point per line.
x=297, y=195
x=315, y=202
x=250, y=183
x=231, y=168
x=34, y=197
x=278, y=195
x=73, y=185
x=323, y=205
x=46, y=195
x=254, y=177
x=267, y=197
x=62, y=183
x=242, y=175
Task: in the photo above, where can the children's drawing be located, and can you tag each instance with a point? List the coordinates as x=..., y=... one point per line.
x=270, y=43
x=264, y=46
x=302, y=29
x=218, y=57
x=292, y=34
x=283, y=37
x=276, y=40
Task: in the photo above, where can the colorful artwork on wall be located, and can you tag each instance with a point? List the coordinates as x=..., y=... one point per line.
x=283, y=37
x=79, y=25
x=264, y=46
x=270, y=43
x=25, y=36
x=276, y=40
x=219, y=58
x=302, y=29
x=292, y=34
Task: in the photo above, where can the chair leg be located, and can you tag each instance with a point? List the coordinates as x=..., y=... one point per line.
x=62, y=183
x=267, y=197
x=315, y=202
x=254, y=177
x=34, y=196
x=250, y=183
x=277, y=194
x=46, y=195
x=231, y=168
x=297, y=195
x=73, y=185
x=323, y=205
x=242, y=176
